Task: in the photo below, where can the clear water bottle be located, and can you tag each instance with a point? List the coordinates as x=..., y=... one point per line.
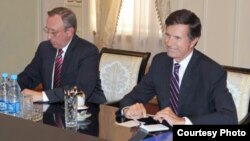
x=14, y=97
x=3, y=93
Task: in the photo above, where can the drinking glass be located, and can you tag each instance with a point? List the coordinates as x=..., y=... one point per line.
x=27, y=107
x=70, y=109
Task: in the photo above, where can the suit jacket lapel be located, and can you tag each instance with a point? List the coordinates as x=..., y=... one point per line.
x=189, y=80
x=51, y=58
x=69, y=54
x=165, y=83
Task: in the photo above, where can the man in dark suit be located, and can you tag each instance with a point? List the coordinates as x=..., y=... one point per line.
x=80, y=62
x=202, y=98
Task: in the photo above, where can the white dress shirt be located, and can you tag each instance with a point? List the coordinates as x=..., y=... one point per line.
x=45, y=98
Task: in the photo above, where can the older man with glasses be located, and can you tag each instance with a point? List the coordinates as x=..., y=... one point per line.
x=63, y=61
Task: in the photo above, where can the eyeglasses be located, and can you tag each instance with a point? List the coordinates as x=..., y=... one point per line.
x=52, y=32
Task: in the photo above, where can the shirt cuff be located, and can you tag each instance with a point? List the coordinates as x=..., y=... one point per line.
x=187, y=121
x=122, y=111
x=45, y=98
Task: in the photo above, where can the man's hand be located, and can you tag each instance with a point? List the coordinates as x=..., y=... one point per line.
x=36, y=96
x=168, y=115
x=135, y=111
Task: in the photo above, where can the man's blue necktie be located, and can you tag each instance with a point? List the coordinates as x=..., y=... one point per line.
x=174, y=88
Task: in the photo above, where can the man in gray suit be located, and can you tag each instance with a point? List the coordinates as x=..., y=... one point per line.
x=80, y=62
x=203, y=97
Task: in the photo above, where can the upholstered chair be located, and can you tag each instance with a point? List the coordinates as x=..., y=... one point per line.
x=120, y=71
x=238, y=83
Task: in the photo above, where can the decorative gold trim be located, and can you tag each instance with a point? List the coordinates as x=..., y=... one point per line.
x=162, y=9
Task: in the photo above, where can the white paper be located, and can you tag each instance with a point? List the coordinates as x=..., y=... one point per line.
x=154, y=127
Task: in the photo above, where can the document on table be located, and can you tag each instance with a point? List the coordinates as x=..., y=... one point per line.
x=154, y=127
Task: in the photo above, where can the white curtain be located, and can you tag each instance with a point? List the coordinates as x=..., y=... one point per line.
x=107, y=12
x=139, y=27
